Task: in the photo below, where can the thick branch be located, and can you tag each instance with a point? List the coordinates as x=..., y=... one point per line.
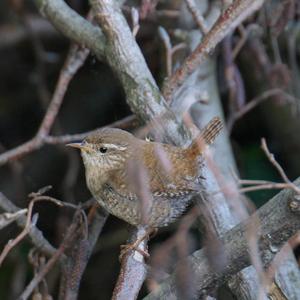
x=279, y=220
x=126, y=59
x=71, y=24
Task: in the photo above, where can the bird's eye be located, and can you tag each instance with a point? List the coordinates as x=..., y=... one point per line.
x=103, y=149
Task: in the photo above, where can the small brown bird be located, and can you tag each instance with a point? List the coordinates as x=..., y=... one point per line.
x=142, y=182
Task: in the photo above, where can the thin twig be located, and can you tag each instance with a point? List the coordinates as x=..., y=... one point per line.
x=35, y=234
x=12, y=243
x=256, y=101
x=278, y=167
x=36, y=197
x=199, y=20
x=135, y=21
x=233, y=78
x=234, y=15
x=75, y=59
x=71, y=232
x=269, y=186
x=170, y=50
x=163, y=34
x=264, y=184
x=7, y=218
x=35, y=144
x=129, y=122
x=245, y=32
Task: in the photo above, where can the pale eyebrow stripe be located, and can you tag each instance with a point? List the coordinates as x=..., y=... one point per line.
x=114, y=146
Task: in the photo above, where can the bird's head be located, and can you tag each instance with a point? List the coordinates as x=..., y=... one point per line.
x=106, y=149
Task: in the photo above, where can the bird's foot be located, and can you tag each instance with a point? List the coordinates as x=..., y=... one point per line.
x=135, y=246
x=132, y=247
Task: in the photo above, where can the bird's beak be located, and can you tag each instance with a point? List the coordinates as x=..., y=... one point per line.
x=79, y=146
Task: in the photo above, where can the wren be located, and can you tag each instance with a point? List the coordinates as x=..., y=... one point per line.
x=143, y=182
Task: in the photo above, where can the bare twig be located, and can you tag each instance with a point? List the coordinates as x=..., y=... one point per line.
x=33, y=145
x=256, y=101
x=135, y=21
x=129, y=122
x=143, y=96
x=168, y=46
x=170, y=50
x=197, y=16
x=12, y=243
x=234, y=15
x=245, y=32
x=35, y=234
x=280, y=170
x=71, y=233
x=30, y=222
x=7, y=218
x=264, y=184
x=178, y=241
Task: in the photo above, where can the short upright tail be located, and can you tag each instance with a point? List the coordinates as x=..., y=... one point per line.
x=207, y=136
x=211, y=130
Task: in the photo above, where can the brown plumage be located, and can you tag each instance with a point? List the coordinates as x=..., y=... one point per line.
x=143, y=182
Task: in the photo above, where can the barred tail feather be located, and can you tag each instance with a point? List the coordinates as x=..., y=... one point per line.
x=211, y=130
x=207, y=136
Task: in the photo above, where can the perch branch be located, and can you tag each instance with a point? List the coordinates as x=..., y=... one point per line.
x=133, y=269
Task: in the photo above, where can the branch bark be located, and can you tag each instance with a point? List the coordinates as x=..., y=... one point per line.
x=127, y=61
x=72, y=25
x=278, y=221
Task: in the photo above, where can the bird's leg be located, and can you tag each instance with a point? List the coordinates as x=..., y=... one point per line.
x=135, y=246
